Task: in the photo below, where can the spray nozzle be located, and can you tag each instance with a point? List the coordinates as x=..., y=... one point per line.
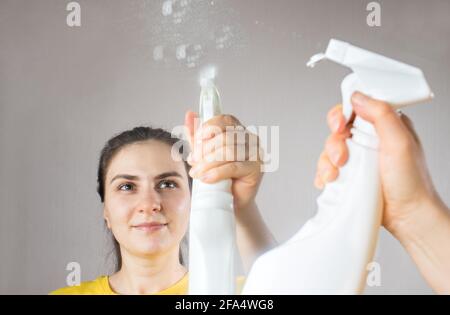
x=209, y=96
x=315, y=59
x=207, y=77
x=336, y=51
x=375, y=75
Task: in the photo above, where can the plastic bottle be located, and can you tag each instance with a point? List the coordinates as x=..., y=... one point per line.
x=331, y=252
x=212, y=236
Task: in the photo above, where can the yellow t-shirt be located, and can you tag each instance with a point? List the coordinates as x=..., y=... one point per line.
x=100, y=286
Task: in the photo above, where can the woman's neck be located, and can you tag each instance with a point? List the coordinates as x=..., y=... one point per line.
x=144, y=275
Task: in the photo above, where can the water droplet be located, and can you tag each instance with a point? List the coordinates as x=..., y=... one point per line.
x=158, y=53
x=167, y=8
x=181, y=52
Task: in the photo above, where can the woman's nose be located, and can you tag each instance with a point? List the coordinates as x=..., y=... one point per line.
x=150, y=202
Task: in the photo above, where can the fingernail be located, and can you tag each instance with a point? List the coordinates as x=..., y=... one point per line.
x=326, y=176
x=335, y=123
x=197, y=154
x=204, y=134
x=318, y=183
x=206, y=176
x=359, y=99
x=335, y=157
x=193, y=171
x=194, y=158
x=198, y=135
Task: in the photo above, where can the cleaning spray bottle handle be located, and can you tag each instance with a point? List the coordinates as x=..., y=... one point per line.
x=349, y=85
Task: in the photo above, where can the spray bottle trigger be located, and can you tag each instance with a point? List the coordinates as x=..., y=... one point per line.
x=349, y=86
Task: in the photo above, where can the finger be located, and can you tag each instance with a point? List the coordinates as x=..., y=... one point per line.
x=318, y=183
x=224, y=155
x=410, y=125
x=336, y=148
x=217, y=125
x=392, y=131
x=191, y=123
x=239, y=152
x=224, y=139
x=202, y=167
x=231, y=170
x=325, y=169
x=336, y=119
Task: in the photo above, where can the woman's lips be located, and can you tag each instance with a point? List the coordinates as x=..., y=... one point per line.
x=149, y=227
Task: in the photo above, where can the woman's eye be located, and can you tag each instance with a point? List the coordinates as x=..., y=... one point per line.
x=126, y=187
x=167, y=184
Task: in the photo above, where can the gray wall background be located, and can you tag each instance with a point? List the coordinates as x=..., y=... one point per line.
x=64, y=91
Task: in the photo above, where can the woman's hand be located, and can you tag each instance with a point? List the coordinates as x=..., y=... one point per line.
x=413, y=211
x=223, y=149
x=218, y=155
x=406, y=183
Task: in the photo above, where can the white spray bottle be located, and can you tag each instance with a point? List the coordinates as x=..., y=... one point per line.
x=212, y=236
x=331, y=253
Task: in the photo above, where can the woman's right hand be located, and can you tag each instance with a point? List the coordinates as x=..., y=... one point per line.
x=406, y=183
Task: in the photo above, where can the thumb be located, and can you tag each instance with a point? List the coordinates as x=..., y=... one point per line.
x=388, y=125
x=191, y=123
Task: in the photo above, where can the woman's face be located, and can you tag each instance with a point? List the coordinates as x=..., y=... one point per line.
x=145, y=186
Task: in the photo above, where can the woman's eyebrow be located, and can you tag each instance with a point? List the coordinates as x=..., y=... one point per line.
x=168, y=174
x=133, y=177
x=125, y=176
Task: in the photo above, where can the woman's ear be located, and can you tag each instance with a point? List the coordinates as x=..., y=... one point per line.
x=106, y=217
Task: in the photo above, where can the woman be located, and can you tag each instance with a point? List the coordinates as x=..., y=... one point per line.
x=146, y=197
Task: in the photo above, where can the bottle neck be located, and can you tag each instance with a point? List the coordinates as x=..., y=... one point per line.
x=363, y=133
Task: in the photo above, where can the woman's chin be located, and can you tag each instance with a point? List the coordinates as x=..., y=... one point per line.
x=151, y=246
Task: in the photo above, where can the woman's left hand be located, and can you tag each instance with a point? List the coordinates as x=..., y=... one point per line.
x=223, y=149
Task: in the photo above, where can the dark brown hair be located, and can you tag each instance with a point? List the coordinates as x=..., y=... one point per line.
x=113, y=146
